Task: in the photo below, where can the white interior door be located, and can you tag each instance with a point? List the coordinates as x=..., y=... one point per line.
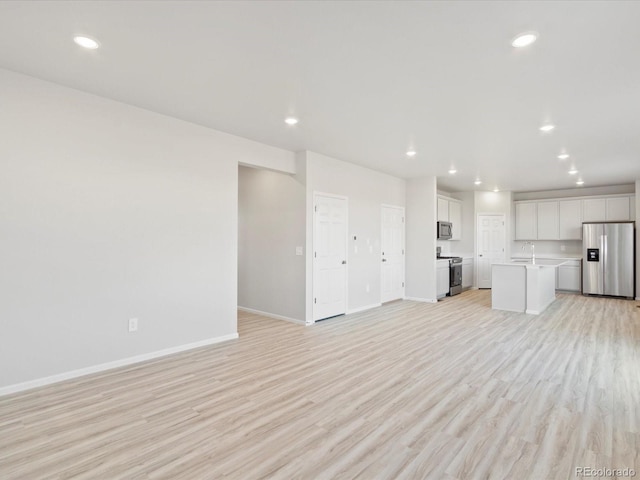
x=491, y=242
x=329, y=256
x=392, y=253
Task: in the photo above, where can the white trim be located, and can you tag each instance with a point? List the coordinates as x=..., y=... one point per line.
x=81, y=372
x=362, y=309
x=272, y=315
x=423, y=300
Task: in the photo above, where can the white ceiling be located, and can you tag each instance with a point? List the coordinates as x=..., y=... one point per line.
x=367, y=80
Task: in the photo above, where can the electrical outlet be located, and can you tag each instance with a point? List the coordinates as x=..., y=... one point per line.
x=563, y=248
x=368, y=288
x=298, y=250
x=133, y=325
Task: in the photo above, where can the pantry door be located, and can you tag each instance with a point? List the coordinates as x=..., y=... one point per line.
x=392, y=254
x=329, y=256
x=491, y=243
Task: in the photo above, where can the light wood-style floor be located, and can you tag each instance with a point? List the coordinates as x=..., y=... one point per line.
x=406, y=391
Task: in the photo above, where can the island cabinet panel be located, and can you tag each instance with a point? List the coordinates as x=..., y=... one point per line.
x=594, y=210
x=547, y=221
x=570, y=219
x=526, y=221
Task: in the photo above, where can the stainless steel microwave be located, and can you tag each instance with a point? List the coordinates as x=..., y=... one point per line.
x=444, y=230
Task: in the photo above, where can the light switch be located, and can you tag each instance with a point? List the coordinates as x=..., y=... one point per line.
x=298, y=250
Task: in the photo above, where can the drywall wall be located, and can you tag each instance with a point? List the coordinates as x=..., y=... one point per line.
x=271, y=224
x=554, y=248
x=109, y=212
x=637, y=192
x=367, y=191
x=421, y=239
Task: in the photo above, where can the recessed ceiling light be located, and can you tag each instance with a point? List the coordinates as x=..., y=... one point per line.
x=86, y=42
x=547, y=128
x=291, y=120
x=524, y=39
x=563, y=156
x=496, y=189
x=573, y=171
x=477, y=182
x=452, y=171
x=411, y=153
x=580, y=182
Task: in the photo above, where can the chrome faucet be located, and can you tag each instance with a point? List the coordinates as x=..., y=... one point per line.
x=533, y=250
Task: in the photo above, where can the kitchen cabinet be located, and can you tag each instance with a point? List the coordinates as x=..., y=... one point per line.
x=570, y=219
x=467, y=272
x=443, y=210
x=569, y=276
x=450, y=210
x=594, y=210
x=455, y=217
x=526, y=221
x=618, y=209
x=442, y=277
x=561, y=219
x=547, y=220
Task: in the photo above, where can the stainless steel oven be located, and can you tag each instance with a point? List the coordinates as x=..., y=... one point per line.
x=455, y=276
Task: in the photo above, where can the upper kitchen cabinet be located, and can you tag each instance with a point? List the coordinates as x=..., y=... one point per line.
x=455, y=217
x=526, y=221
x=594, y=210
x=570, y=219
x=548, y=221
x=561, y=219
x=618, y=209
x=443, y=210
x=450, y=210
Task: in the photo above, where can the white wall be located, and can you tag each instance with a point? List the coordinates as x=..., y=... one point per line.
x=637, y=192
x=367, y=190
x=271, y=223
x=421, y=222
x=109, y=212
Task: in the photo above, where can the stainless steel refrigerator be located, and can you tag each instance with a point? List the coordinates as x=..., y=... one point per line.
x=608, y=264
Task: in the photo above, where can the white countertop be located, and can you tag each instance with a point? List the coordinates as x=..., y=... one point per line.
x=553, y=256
x=539, y=262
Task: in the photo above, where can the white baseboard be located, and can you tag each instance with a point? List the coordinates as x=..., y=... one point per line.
x=362, y=309
x=423, y=300
x=272, y=315
x=40, y=382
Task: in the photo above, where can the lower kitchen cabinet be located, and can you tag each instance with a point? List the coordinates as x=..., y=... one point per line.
x=467, y=273
x=442, y=278
x=569, y=277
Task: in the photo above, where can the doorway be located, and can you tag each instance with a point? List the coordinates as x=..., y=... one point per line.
x=392, y=254
x=491, y=243
x=329, y=255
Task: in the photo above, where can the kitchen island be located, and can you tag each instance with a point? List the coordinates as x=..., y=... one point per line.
x=524, y=285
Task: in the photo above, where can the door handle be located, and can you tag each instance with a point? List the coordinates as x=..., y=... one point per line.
x=344, y=262
x=384, y=259
x=480, y=255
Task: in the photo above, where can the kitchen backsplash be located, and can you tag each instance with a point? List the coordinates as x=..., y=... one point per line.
x=551, y=247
